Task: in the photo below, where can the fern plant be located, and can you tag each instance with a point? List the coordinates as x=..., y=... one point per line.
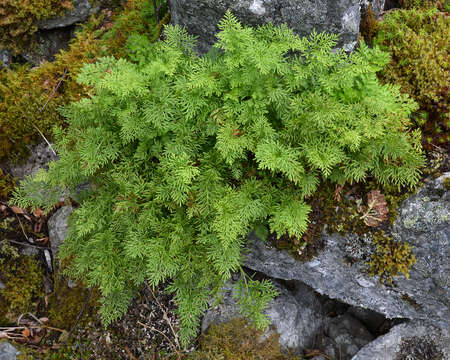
x=186, y=154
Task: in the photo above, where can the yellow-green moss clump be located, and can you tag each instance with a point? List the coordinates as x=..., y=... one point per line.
x=65, y=304
x=419, y=45
x=18, y=20
x=6, y=185
x=22, y=277
x=21, y=102
x=237, y=340
x=417, y=4
x=390, y=259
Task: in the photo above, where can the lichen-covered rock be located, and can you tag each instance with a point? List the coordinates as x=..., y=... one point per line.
x=8, y=352
x=423, y=222
x=58, y=227
x=200, y=17
x=413, y=340
x=79, y=13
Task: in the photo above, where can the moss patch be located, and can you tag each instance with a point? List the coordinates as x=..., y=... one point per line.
x=390, y=259
x=419, y=44
x=237, y=340
x=22, y=277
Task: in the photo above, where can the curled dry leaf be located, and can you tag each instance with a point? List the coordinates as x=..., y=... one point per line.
x=16, y=210
x=337, y=193
x=376, y=211
x=26, y=332
x=38, y=213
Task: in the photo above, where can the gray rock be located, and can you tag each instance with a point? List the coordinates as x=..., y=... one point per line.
x=5, y=58
x=2, y=286
x=58, y=227
x=8, y=352
x=371, y=319
x=423, y=222
x=80, y=12
x=200, y=17
x=377, y=6
x=48, y=44
x=40, y=156
x=410, y=341
x=297, y=317
x=29, y=251
x=348, y=335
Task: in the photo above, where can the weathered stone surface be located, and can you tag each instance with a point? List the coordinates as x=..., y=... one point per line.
x=48, y=43
x=8, y=352
x=200, y=17
x=40, y=156
x=5, y=58
x=80, y=12
x=297, y=317
x=371, y=319
x=58, y=227
x=300, y=316
x=413, y=340
x=2, y=286
x=348, y=335
x=423, y=222
x=377, y=6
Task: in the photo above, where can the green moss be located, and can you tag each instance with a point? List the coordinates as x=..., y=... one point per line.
x=22, y=277
x=419, y=45
x=6, y=185
x=237, y=340
x=65, y=304
x=420, y=4
x=20, y=111
x=19, y=19
x=390, y=259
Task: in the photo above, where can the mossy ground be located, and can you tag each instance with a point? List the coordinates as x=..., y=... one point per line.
x=22, y=276
x=237, y=340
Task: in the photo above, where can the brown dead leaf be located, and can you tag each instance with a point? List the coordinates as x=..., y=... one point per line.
x=38, y=213
x=26, y=332
x=3, y=207
x=376, y=211
x=312, y=352
x=337, y=193
x=67, y=5
x=237, y=132
x=43, y=241
x=16, y=209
